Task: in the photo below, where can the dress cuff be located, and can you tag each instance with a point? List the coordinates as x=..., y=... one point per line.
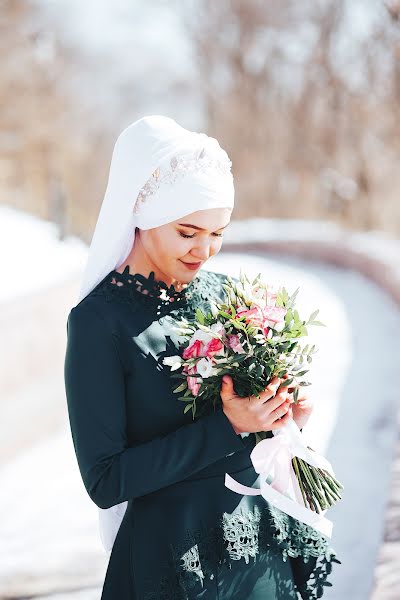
x=226, y=432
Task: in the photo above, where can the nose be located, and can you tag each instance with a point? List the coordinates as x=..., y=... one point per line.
x=201, y=251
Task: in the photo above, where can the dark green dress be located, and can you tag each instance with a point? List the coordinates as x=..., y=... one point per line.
x=184, y=534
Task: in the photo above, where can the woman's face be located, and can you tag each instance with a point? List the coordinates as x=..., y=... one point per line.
x=191, y=239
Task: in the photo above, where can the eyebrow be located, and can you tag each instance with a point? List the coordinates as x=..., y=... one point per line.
x=200, y=228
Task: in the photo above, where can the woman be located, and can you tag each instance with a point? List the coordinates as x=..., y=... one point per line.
x=174, y=530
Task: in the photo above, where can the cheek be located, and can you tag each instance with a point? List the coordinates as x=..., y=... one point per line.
x=183, y=247
x=176, y=246
x=216, y=245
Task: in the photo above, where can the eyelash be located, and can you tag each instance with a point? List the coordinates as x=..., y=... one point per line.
x=192, y=236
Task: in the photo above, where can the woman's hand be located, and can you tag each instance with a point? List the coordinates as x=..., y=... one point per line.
x=300, y=411
x=270, y=411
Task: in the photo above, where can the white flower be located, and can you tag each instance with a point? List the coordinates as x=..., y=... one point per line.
x=240, y=288
x=204, y=367
x=257, y=295
x=214, y=309
x=218, y=328
x=201, y=335
x=279, y=326
x=173, y=361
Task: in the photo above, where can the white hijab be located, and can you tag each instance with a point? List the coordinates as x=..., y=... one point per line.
x=159, y=172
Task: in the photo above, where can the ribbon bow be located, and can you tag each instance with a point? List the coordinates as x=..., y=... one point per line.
x=272, y=457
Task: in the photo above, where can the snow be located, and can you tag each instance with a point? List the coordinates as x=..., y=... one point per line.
x=32, y=256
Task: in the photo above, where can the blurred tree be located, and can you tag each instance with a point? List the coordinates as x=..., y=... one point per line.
x=306, y=105
x=292, y=101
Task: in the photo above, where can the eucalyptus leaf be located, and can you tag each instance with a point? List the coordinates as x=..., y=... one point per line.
x=287, y=382
x=180, y=388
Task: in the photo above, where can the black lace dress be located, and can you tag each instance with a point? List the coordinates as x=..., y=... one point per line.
x=184, y=534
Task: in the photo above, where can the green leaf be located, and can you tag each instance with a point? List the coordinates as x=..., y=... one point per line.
x=187, y=407
x=225, y=314
x=288, y=316
x=238, y=325
x=199, y=316
x=241, y=357
x=296, y=394
x=317, y=323
x=180, y=388
x=287, y=382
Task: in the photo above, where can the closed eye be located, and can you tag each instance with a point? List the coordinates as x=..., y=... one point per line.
x=192, y=236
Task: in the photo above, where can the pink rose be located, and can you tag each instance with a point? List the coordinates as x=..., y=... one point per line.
x=256, y=316
x=213, y=347
x=234, y=343
x=271, y=298
x=275, y=314
x=196, y=349
x=253, y=315
x=193, y=382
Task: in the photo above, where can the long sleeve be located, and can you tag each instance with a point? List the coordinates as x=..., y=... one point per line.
x=111, y=471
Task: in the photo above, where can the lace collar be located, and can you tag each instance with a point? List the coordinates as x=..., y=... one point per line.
x=138, y=289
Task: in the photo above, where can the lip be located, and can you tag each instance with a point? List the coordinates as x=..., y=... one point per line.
x=191, y=266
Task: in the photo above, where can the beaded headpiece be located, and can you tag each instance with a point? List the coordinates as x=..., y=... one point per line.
x=178, y=167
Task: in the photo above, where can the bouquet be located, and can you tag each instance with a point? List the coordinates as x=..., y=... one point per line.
x=254, y=336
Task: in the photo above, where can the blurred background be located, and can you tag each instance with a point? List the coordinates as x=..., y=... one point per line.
x=305, y=98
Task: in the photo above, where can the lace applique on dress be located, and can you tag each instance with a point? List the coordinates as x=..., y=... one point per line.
x=241, y=534
x=244, y=535
x=138, y=290
x=191, y=562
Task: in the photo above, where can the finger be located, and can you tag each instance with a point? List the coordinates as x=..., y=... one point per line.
x=279, y=412
x=282, y=393
x=280, y=422
x=300, y=398
x=274, y=403
x=305, y=405
x=269, y=391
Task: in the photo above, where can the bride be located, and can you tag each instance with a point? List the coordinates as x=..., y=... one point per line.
x=175, y=531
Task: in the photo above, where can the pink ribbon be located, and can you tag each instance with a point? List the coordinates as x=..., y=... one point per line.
x=272, y=457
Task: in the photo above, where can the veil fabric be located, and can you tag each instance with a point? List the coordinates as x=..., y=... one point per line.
x=188, y=171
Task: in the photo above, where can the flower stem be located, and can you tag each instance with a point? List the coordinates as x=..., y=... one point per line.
x=297, y=471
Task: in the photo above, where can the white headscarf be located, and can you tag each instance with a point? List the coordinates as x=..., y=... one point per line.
x=143, y=153
x=159, y=172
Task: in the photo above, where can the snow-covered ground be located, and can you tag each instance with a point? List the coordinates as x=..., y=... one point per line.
x=32, y=258
x=49, y=541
